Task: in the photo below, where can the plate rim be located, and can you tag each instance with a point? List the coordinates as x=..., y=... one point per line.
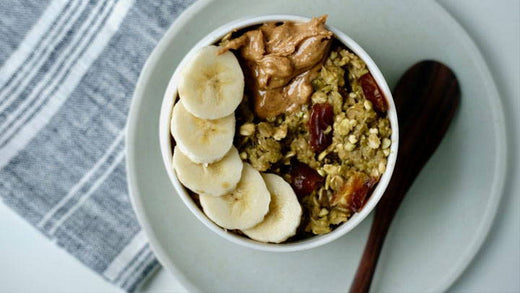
x=499, y=125
x=131, y=126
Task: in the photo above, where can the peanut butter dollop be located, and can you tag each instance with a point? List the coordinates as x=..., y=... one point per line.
x=280, y=61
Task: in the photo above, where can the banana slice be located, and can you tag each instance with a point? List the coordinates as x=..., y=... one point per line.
x=211, y=85
x=243, y=207
x=284, y=214
x=215, y=179
x=203, y=141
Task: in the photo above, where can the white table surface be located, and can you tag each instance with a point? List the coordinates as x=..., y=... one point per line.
x=29, y=262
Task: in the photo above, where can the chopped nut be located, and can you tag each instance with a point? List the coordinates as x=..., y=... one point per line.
x=265, y=129
x=327, y=182
x=319, y=97
x=373, y=130
x=367, y=104
x=331, y=169
x=373, y=141
x=225, y=39
x=382, y=167
x=319, y=227
x=323, y=212
x=386, y=143
x=343, y=127
x=350, y=147
x=338, y=215
x=247, y=129
x=323, y=197
x=322, y=155
x=358, y=64
x=329, y=78
x=336, y=182
x=280, y=133
x=352, y=139
x=327, y=130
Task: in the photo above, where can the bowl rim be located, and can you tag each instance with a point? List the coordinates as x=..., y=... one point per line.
x=170, y=97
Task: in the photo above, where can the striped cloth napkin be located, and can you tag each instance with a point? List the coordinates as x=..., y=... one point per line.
x=68, y=69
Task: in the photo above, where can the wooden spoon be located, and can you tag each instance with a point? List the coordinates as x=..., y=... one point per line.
x=427, y=97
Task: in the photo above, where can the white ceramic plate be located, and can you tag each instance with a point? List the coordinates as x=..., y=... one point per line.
x=440, y=225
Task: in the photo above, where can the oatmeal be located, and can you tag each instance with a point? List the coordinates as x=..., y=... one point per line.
x=331, y=142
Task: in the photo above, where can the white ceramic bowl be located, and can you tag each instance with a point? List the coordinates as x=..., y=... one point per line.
x=166, y=148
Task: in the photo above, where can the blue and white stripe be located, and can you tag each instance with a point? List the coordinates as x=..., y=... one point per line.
x=36, y=108
x=64, y=94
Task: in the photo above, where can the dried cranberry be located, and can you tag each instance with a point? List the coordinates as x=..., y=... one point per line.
x=304, y=179
x=355, y=192
x=360, y=194
x=322, y=116
x=373, y=93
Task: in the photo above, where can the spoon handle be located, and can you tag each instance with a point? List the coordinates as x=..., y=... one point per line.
x=368, y=263
x=426, y=98
x=384, y=214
